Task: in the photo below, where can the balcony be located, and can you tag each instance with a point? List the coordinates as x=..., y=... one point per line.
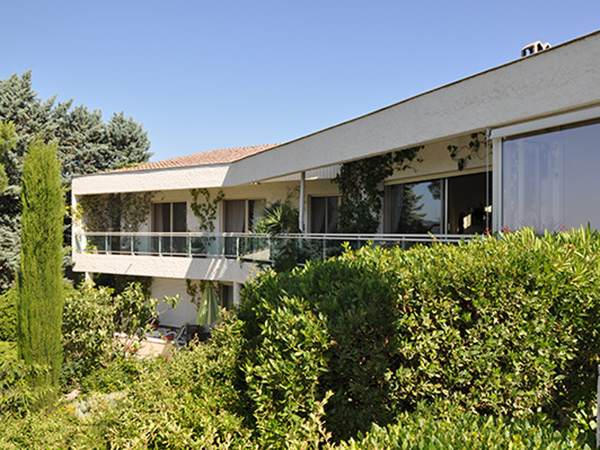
x=245, y=247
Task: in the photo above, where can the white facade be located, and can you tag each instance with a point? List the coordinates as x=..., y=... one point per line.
x=537, y=166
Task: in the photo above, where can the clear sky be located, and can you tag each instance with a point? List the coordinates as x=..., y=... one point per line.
x=202, y=75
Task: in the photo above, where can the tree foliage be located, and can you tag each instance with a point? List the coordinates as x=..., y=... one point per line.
x=7, y=133
x=84, y=144
x=40, y=298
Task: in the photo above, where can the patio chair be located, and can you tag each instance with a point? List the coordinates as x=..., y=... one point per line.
x=178, y=337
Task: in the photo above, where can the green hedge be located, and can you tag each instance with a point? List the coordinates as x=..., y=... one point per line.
x=497, y=325
x=430, y=429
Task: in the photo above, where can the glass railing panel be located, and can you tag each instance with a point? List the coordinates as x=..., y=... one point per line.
x=142, y=245
x=246, y=247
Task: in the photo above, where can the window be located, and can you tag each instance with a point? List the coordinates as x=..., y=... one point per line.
x=549, y=178
x=454, y=205
x=414, y=207
x=323, y=214
x=242, y=215
x=468, y=210
x=169, y=218
x=226, y=299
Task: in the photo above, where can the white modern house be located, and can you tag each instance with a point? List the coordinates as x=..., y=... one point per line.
x=517, y=145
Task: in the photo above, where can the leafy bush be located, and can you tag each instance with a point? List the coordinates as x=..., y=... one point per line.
x=16, y=393
x=327, y=328
x=91, y=318
x=8, y=315
x=8, y=351
x=498, y=325
x=431, y=429
x=503, y=329
x=188, y=400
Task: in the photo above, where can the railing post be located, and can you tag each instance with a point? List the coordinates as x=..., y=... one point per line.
x=159, y=245
x=106, y=244
x=131, y=245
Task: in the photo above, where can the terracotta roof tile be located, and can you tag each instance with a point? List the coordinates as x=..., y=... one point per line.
x=221, y=156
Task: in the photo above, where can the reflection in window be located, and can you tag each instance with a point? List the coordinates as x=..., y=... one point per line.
x=324, y=214
x=414, y=207
x=549, y=179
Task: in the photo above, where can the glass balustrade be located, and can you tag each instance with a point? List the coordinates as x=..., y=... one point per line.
x=243, y=246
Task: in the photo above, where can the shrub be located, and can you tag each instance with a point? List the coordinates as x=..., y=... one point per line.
x=8, y=315
x=92, y=316
x=186, y=401
x=499, y=325
x=428, y=428
x=325, y=329
x=17, y=396
x=496, y=325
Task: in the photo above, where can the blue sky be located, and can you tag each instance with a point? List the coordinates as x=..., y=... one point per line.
x=203, y=75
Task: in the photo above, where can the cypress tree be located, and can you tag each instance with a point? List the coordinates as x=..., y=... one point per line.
x=40, y=296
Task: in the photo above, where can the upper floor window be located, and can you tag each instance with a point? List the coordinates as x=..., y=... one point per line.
x=456, y=205
x=324, y=214
x=242, y=215
x=169, y=217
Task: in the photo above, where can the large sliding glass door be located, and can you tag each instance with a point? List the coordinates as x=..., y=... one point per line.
x=550, y=177
x=456, y=205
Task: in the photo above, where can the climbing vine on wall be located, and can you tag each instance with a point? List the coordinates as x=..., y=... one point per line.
x=359, y=183
x=114, y=212
x=467, y=152
x=205, y=209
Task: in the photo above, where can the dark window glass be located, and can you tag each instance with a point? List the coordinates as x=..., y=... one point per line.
x=467, y=204
x=323, y=214
x=414, y=207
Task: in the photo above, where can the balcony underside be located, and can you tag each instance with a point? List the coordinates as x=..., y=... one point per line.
x=221, y=269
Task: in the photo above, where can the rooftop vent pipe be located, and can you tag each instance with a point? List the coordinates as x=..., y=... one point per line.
x=534, y=47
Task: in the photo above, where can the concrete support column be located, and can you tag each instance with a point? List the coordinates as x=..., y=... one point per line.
x=88, y=277
x=301, y=209
x=497, y=184
x=237, y=287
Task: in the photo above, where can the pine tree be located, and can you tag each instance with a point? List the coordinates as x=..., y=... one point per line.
x=85, y=144
x=40, y=301
x=7, y=141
